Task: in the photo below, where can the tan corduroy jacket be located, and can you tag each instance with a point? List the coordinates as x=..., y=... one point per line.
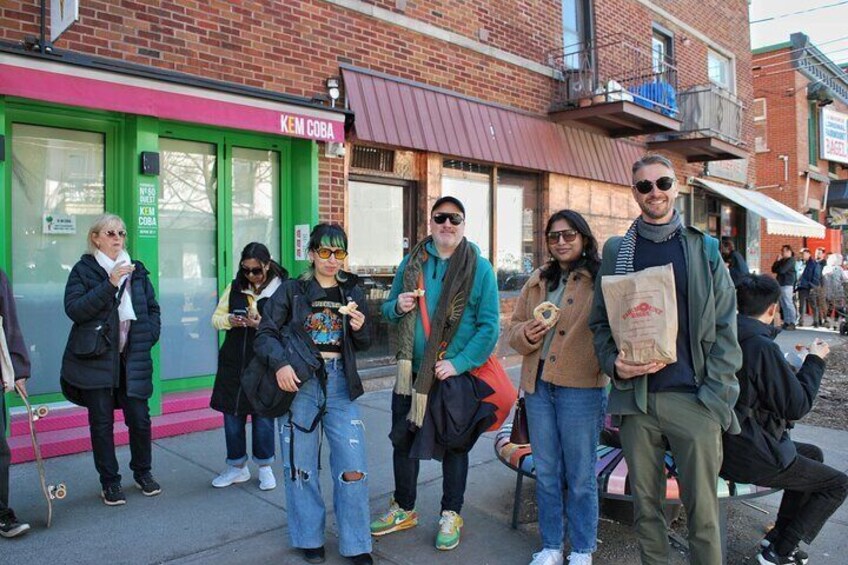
x=571, y=360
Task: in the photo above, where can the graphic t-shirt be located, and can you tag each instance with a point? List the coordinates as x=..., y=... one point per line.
x=324, y=325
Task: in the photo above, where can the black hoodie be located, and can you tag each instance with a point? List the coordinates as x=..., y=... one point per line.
x=771, y=397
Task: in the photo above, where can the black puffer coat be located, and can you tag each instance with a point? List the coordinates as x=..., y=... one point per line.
x=89, y=296
x=292, y=301
x=233, y=358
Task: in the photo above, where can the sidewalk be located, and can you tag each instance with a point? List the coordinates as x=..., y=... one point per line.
x=190, y=522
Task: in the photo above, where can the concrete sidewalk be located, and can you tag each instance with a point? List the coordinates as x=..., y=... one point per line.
x=190, y=522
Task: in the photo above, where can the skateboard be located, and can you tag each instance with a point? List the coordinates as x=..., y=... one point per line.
x=50, y=492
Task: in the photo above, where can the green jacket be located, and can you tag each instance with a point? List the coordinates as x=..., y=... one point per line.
x=716, y=354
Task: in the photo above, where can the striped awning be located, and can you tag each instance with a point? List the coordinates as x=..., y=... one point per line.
x=780, y=218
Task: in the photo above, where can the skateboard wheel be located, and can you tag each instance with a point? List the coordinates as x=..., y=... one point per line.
x=41, y=411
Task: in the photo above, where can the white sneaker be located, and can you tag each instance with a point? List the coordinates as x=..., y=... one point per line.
x=580, y=559
x=547, y=557
x=231, y=476
x=266, y=478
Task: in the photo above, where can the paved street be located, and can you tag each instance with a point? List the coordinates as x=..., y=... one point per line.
x=193, y=523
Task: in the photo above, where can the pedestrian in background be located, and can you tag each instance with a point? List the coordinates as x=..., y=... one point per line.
x=809, y=280
x=735, y=262
x=784, y=269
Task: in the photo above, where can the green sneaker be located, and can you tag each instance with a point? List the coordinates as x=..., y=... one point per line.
x=450, y=525
x=395, y=520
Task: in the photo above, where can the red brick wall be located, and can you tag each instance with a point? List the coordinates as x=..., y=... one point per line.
x=292, y=47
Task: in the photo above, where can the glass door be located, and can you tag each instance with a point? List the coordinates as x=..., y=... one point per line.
x=255, y=200
x=188, y=259
x=58, y=188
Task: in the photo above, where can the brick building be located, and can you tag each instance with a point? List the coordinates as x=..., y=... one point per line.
x=800, y=113
x=518, y=108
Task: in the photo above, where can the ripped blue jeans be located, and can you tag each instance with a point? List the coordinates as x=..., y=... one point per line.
x=345, y=435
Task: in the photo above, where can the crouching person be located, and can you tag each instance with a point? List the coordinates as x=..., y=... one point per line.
x=320, y=304
x=771, y=397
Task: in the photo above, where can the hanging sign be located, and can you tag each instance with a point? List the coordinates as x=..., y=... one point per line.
x=834, y=136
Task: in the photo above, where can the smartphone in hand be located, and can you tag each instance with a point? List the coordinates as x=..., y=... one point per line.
x=239, y=313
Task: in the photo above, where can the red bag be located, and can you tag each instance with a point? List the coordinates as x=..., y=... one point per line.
x=491, y=372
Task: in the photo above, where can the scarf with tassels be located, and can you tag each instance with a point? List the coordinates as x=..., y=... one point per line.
x=456, y=289
x=658, y=233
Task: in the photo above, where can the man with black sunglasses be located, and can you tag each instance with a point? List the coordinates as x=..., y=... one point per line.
x=684, y=405
x=447, y=274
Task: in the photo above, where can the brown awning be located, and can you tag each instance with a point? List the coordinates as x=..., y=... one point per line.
x=399, y=113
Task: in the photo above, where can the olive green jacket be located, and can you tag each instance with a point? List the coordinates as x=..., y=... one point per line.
x=716, y=354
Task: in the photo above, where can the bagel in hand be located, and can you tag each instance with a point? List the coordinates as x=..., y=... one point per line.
x=547, y=313
x=350, y=307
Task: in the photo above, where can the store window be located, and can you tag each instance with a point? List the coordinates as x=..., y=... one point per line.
x=380, y=227
x=472, y=185
x=720, y=70
x=188, y=270
x=511, y=242
x=58, y=189
x=256, y=199
x=517, y=240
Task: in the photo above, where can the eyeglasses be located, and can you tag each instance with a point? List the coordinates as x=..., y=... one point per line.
x=443, y=217
x=567, y=236
x=256, y=271
x=113, y=233
x=646, y=186
x=325, y=252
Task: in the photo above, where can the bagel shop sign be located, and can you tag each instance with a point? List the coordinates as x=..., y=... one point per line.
x=311, y=128
x=834, y=136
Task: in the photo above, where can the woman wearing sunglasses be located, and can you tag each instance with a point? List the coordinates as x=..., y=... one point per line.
x=238, y=313
x=107, y=363
x=564, y=389
x=328, y=305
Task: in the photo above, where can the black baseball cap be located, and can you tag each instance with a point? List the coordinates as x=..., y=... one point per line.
x=448, y=200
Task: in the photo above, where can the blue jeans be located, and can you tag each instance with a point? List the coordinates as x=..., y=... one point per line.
x=787, y=305
x=564, y=425
x=345, y=434
x=263, y=439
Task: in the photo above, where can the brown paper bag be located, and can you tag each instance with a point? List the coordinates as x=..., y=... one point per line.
x=642, y=312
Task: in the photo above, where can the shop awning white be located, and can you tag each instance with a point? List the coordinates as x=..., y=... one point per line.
x=780, y=218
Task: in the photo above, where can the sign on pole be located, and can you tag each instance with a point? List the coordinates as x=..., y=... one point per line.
x=63, y=14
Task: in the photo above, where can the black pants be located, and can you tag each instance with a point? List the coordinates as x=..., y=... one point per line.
x=454, y=468
x=804, y=298
x=101, y=404
x=812, y=493
x=5, y=458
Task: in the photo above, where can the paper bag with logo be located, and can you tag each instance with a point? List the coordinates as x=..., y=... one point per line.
x=642, y=312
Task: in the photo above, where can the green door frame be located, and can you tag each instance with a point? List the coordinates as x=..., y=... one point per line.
x=14, y=111
x=125, y=138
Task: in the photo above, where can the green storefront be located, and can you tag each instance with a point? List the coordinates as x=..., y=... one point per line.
x=197, y=170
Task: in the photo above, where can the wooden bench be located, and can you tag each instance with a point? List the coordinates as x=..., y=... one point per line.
x=613, y=483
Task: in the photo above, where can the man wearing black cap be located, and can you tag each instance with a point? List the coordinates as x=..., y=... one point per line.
x=455, y=282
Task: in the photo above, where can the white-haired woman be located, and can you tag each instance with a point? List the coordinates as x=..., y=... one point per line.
x=107, y=363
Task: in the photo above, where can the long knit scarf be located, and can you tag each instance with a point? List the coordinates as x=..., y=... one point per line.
x=658, y=233
x=456, y=289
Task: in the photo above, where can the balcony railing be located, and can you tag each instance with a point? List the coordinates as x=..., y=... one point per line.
x=614, y=69
x=710, y=111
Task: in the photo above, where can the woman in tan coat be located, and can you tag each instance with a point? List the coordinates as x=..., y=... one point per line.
x=564, y=389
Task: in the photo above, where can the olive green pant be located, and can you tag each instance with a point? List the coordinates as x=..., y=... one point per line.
x=694, y=437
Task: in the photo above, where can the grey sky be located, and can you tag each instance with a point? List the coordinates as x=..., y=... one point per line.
x=822, y=25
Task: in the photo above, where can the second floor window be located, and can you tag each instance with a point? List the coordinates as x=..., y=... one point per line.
x=720, y=70
x=576, y=26
x=660, y=51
